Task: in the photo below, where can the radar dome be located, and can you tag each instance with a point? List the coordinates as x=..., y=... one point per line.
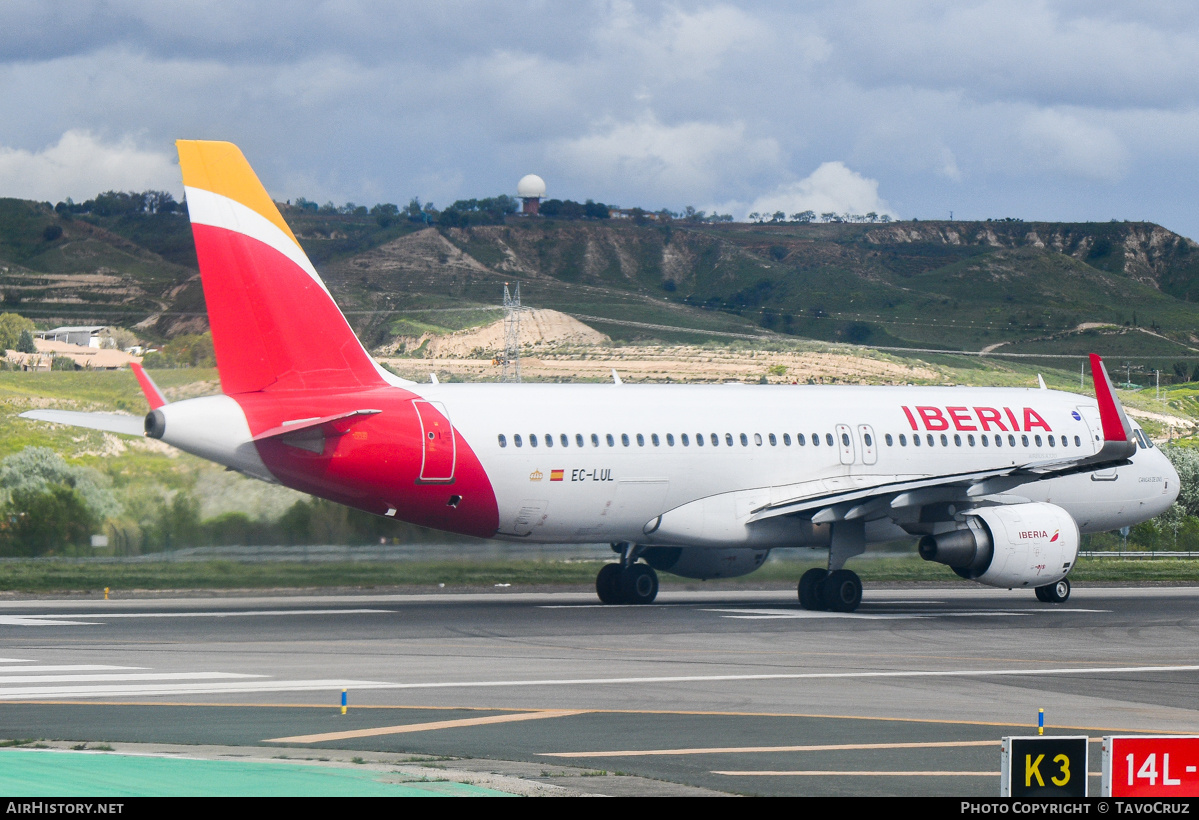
x=530, y=185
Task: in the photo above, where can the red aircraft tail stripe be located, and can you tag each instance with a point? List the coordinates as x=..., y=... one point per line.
x=1111, y=413
x=153, y=395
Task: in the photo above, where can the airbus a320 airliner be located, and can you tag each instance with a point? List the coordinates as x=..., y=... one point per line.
x=701, y=481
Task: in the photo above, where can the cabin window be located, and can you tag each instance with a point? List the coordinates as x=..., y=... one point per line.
x=957, y=440
x=594, y=440
x=828, y=439
x=970, y=439
x=815, y=440
x=728, y=439
x=1011, y=440
x=699, y=439
x=579, y=439
x=549, y=440
x=1037, y=439
x=640, y=440
x=845, y=439
x=915, y=440
x=931, y=441
x=565, y=439
x=787, y=439
x=1077, y=441
x=624, y=439
x=799, y=439
x=503, y=440
x=532, y=439
x=685, y=440
x=758, y=439
x=516, y=440
x=998, y=440
x=1024, y=440
x=611, y=441
x=670, y=439
x=866, y=437
x=986, y=441
x=654, y=439
x=903, y=440
x=745, y=440
x=890, y=441
x=715, y=440
x=773, y=441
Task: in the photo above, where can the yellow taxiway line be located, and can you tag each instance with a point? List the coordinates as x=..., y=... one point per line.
x=429, y=727
x=767, y=749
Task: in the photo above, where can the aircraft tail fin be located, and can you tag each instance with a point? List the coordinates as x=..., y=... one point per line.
x=1111, y=412
x=274, y=324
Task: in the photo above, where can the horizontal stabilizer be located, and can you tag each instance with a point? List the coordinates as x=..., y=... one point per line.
x=296, y=426
x=109, y=422
x=153, y=395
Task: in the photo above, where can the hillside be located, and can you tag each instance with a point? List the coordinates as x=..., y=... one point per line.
x=1125, y=289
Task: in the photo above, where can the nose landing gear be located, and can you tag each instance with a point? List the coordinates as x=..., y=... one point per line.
x=627, y=582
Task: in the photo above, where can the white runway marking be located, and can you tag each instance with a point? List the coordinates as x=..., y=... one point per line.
x=88, y=678
x=73, y=618
x=953, y=673
x=215, y=688
x=782, y=614
x=69, y=667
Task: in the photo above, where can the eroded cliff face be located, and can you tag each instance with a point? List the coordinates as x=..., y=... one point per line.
x=1144, y=251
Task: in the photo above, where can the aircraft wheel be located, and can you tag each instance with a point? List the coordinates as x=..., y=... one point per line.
x=810, y=596
x=842, y=591
x=607, y=584
x=640, y=584
x=1057, y=593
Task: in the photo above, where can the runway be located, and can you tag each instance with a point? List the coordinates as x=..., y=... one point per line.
x=730, y=691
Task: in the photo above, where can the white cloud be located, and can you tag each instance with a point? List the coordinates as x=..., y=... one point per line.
x=1065, y=142
x=680, y=162
x=831, y=187
x=80, y=166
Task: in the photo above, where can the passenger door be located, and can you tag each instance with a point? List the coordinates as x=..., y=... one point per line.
x=439, y=449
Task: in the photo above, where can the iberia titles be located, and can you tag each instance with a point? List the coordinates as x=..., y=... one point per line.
x=980, y=419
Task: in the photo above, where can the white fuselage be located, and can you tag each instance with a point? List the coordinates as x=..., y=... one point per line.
x=603, y=462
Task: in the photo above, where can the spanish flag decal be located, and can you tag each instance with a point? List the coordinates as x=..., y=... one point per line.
x=556, y=475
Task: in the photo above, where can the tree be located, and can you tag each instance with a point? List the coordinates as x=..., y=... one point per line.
x=803, y=216
x=25, y=343
x=43, y=521
x=11, y=325
x=50, y=504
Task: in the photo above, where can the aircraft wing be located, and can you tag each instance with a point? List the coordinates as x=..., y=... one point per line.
x=109, y=422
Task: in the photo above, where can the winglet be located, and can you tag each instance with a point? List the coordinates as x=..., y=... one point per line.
x=149, y=388
x=1111, y=412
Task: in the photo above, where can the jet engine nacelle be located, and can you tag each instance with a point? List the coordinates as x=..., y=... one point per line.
x=1018, y=545
x=703, y=562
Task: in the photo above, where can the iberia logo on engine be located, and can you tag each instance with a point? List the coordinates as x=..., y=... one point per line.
x=1026, y=535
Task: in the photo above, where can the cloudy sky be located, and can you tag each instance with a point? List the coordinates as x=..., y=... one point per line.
x=1039, y=110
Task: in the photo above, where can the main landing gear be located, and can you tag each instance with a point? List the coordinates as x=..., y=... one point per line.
x=838, y=591
x=627, y=582
x=1054, y=593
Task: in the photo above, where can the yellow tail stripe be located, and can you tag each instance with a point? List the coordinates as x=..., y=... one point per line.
x=220, y=167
